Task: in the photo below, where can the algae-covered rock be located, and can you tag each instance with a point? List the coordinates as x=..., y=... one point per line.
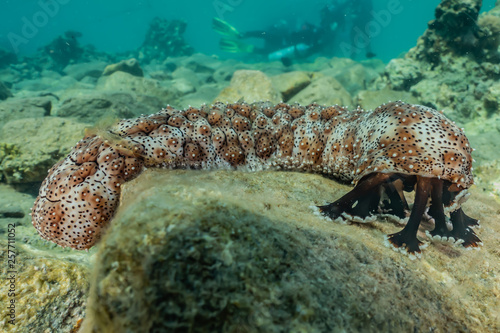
x=289, y=84
x=324, y=90
x=206, y=92
x=184, y=73
x=10, y=75
x=369, y=99
x=7, y=150
x=125, y=82
x=492, y=97
x=490, y=33
x=18, y=108
x=403, y=73
x=433, y=93
x=244, y=252
x=50, y=292
x=249, y=85
x=46, y=84
x=182, y=86
x=79, y=71
x=352, y=75
x=92, y=107
x=130, y=66
x=454, y=30
x=36, y=146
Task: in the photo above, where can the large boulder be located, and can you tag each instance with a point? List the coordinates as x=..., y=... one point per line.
x=236, y=251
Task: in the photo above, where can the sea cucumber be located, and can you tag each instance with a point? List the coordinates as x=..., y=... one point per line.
x=395, y=148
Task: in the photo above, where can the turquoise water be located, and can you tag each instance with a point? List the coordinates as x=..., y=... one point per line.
x=119, y=26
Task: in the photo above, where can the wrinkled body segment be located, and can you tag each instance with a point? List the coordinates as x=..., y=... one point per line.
x=395, y=148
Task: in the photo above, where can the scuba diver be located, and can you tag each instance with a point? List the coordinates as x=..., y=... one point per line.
x=279, y=42
x=348, y=17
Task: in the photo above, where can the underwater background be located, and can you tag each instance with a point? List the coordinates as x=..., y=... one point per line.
x=233, y=251
x=119, y=26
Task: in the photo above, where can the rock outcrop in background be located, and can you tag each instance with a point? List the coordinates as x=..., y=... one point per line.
x=455, y=65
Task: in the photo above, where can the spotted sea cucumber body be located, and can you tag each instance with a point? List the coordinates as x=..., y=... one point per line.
x=80, y=194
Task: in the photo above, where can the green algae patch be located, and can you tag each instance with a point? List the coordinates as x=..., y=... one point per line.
x=31, y=146
x=233, y=251
x=7, y=152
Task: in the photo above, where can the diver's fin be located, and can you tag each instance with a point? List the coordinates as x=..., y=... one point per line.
x=235, y=46
x=224, y=28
